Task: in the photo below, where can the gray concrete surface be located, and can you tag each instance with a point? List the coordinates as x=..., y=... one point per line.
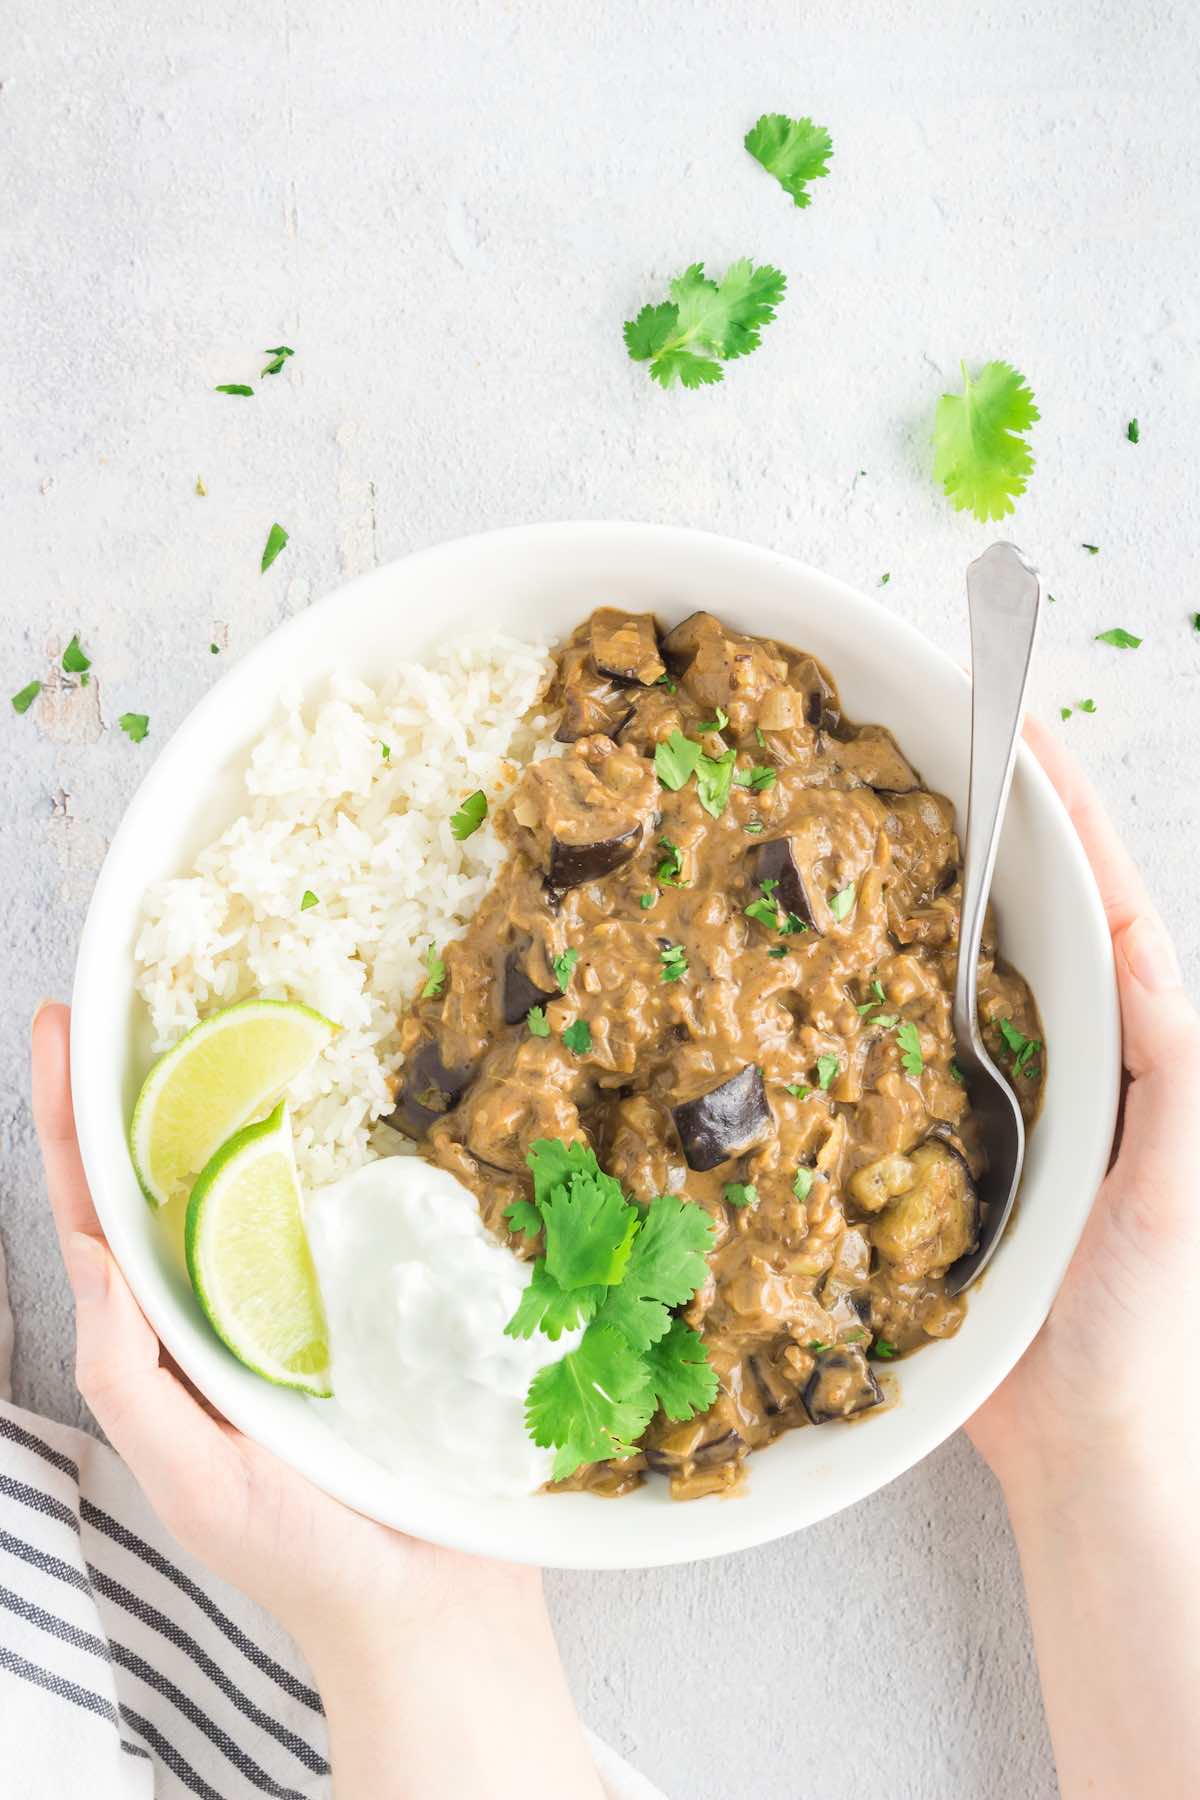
x=448, y=211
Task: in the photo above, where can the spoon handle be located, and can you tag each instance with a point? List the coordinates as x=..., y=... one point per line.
x=1004, y=595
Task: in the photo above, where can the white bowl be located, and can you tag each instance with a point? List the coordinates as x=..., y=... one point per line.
x=540, y=580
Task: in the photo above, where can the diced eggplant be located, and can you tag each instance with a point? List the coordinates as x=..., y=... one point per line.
x=776, y=861
x=706, y=1455
x=821, y=708
x=874, y=756
x=935, y=1220
x=842, y=1384
x=586, y=715
x=572, y=864
x=778, y=1392
x=520, y=992
x=681, y=643
x=625, y=646
x=428, y=1091
x=851, y=1315
x=725, y=1122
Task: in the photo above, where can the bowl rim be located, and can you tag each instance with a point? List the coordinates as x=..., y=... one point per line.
x=712, y=1530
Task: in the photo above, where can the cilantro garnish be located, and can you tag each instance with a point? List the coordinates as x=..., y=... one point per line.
x=882, y=1348
x=666, y=1266
x=670, y=869
x=590, y=1228
x=22, y=702
x=714, y=778
x=233, y=387
x=573, y=1404
x=435, y=974
x=957, y=1073
x=797, y=1089
x=278, y=357
x=757, y=779
x=1133, y=432
x=765, y=911
x=980, y=457
x=539, y=1025
x=817, y=1347
x=675, y=759
x=753, y=826
x=214, y=649
x=74, y=660
x=578, y=1037
x=646, y=901
x=674, y=963
x=841, y=903
x=1064, y=712
x=779, y=951
x=470, y=815
x=564, y=968
x=1087, y=706
x=524, y=1216
x=879, y=998
x=827, y=1068
x=385, y=750
x=1196, y=621
x=678, y=758
x=705, y=323
x=1119, y=638
x=802, y=1183
x=791, y=925
x=277, y=537
x=308, y=899
x=664, y=681
x=1023, y=1049
x=885, y=578
x=134, y=725
x=794, y=151
x=716, y=724
x=1092, y=549
x=741, y=1193
x=908, y=1039
x=683, y=1379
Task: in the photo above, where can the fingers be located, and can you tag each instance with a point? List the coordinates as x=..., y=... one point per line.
x=1160, y=1026
x=54, y=1117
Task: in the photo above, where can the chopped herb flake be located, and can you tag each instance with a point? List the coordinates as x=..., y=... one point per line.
x=1119, y=638
x=878, y=997
x=564, y=968
x=957, y=1073
x=664, y=681
x=1022, y=1048
x=883, y=1349
x=908, y=1038
x=22, y=702
x=885, y=578
x=759, y=739
x=539, y=1025
x=717, y=724
x=670, y=869
x=1133, y=432
x=841, y=903
x=797, y=1090
x=714, y=778
x=802, y=1183
x=1092, y=549
x=74, y=660
x=780, y=950
x=675, y=760
x=214, y=649
x=1087, y=706
x=279, y=356
x=385, y=750
x=827, y=1068
x=741, y=1193
x=307, y=900
x=233, y=387
x=578, y=1037
x=646, y=901
x=435, y=974
x=277, y=537
x=674, y=963
x=1064, y=712
x=753, y=826
x=134, y=725
x=470, y=815
x=817, y=1347
x=757, y=779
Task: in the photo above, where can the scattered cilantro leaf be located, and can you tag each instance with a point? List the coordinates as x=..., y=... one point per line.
x=885, y=578
x=957, y=1073
x=435, y=974
x=74, y=661
x=214, y=649
x=22, y=701
x=1064, y=712
x=1133, y=432
x=1022, y=1048
x=1119, y=638
x=279, y=356
x=670, y=869
x=980, y=457
x=1092, y=549
x=573, y=1406
x=908, y=1038
x=578, y=1037
x=1087, y=706
x=134, y=725
x=842, y=902
x=794, y=151
x=277, y=537
x=1196, y=621
x=307, y=900
x=687, y=337
x=664, y=681
x=878, y=998
x=675, y=760
x=764, y=911
x=817, y=1347
x=674, y=963
x=523, y=1216
x=551, y=1163
x=385, y=750
x=715, y=724
x=470, y=815
x=646, y=901
x=792, y=925
x=827, y=1068
x=797, y=1089
x=714, y=778
x=683, y=1379
x=802, y=1183
x=564, y=968
x=885, y=1021
x=590, y=1228
x=741, y=1193
x=546, y=1307
x=778, y=952
x=233, y=387
x=538, y=1023
x=883, y=1349
x=757, y=779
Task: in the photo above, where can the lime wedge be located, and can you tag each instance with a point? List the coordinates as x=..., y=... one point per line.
x=228, y=1069
x=249, y=1259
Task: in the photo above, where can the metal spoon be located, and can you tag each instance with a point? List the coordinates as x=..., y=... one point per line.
x=1004, y=595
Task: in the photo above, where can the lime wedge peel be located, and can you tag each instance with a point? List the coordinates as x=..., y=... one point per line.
x=249, y=1261
x=227, y=1069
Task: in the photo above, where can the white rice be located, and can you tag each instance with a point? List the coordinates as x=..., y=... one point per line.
x=370, y=837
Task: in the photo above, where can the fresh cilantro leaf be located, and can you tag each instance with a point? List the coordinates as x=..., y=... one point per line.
x=22, y=702
x=1087, y=706
x=778, y=953
x=546, y=1307
x=885, y=1021
x=878, y=999
x=882, y=1348
x=1196, y=621
x=714, y=778
x=757, y=779
x=538, y=1023
x=277, y=537
x=553, y=1163
x=802, y=1184
x=592, y=1404
x=278, y=357
x=308, y=899
x=134, y=725
x=759, y=739
x=470, y=815
x=908, y=1039
x=666, y=1267
x=674, y=963
x=885, y=578
x=842, y=902
x=741, y=1193
x=200, y=487
x=764, y=912
x=1064, y=712
x=980, y=457
x=799, y=1090
x=214, y=649
x=646, y=901
x=827, y=1068
x=683, y=1379
x=675, y=760
x=817, y=1347
x=794, y=151
x=590, y=1228
x=233, y=387
x=1023, y=1049
x=385, y=750
x=853, y=1337
x=578, y=1037
x=753, y=826
x=664, y=681
x=1133, y=432
x=670, y=869
x=523, y=1216
x=435, y=978
x=704, y=322
x=792, y=926
x=564, y=968
x=1119, y=638
x=1092, y=549
x=74, y=661
x=717, y=724
x=957, y=1073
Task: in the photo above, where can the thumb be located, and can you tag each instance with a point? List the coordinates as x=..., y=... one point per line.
x=1159, y=1023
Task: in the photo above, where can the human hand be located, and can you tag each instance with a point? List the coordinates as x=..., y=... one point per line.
x=1103, y=1380
x=392, y=1627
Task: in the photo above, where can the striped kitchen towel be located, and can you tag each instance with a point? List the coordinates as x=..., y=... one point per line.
x=126, y=1669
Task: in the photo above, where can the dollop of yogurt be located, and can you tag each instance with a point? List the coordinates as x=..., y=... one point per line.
x=417, y=1294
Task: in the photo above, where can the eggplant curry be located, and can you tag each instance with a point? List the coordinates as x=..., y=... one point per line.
x=721, y=952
